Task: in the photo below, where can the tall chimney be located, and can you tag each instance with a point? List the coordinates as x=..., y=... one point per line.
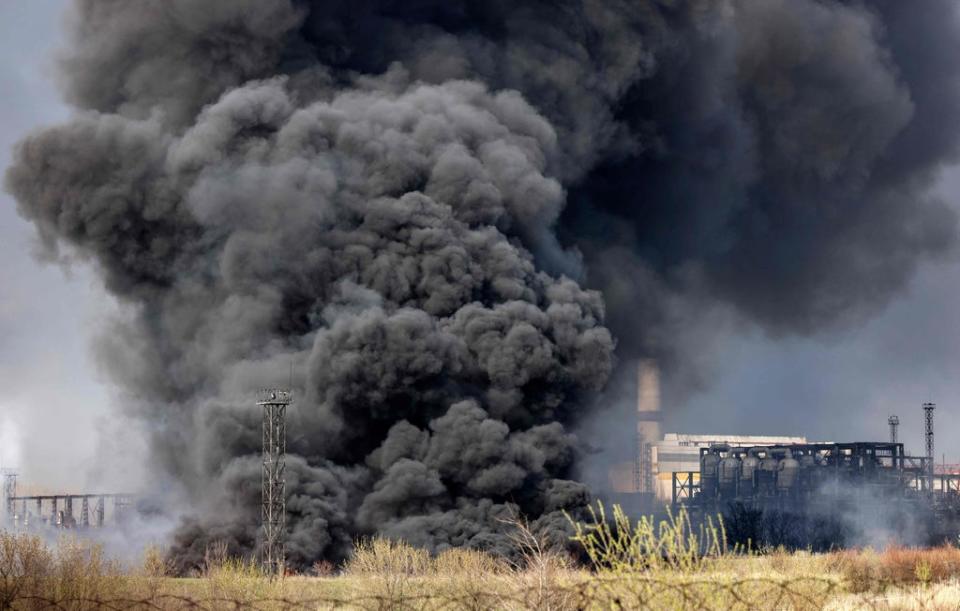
x=648, y=422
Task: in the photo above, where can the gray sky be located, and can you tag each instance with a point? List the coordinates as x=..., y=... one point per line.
x=844, y=386
x=55, y=402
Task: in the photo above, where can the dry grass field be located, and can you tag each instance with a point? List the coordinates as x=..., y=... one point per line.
x=632, y=566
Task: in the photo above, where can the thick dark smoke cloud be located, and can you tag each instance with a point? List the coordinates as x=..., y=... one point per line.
x=789, y=168
x=424, y=212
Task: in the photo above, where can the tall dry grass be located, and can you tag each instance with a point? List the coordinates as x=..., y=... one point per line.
x=866, y=569
x=228, y=578
x=622, y=546
x=633, y=564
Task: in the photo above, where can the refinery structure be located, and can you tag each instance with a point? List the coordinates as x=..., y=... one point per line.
x=799, y=481
x=647, y=481
x=96, y=510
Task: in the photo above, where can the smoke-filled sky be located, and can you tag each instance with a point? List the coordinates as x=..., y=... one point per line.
x=761, y=195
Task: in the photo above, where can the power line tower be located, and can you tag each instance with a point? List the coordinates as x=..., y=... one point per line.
x=273, y=498
x=928, y=434
x=894, y=422
x=9, y=492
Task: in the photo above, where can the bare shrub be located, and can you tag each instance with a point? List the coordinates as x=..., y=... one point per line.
x=227, y=577
x=379, y=556
x=81, y=572
x=465, y=561
x=323, y=568
x=214, y=557
x=541, y=570
x=25, y=563
x=154, y=570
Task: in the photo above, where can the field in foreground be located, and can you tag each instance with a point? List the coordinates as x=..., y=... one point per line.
x=631, y=568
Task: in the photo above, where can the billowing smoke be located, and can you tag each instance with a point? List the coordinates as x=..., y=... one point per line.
x=423, y=212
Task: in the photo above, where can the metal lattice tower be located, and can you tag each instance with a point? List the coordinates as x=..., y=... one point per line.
x=894, y=422
x=928, y=431
x=273, y=498
x=9, y=492
x=928, y=434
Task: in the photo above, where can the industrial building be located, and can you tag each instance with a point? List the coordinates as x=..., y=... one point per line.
x=58, y=510
x=796, y=474
x=671, y=465
x=646, y=483
x=788, y=490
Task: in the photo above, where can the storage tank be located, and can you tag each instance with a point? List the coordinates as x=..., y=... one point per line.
x=808, y=469
x=788, y=471
x=709, y=467
x=729, y=473
x=748, y=467
x=767, y=473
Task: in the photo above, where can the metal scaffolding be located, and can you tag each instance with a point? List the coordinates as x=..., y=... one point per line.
x=65, y=518
x=273, y=498
x=894, y=422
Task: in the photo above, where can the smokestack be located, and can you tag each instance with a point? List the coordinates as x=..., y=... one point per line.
x=649, y=417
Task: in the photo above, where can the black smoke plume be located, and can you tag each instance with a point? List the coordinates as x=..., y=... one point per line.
x=429, y=209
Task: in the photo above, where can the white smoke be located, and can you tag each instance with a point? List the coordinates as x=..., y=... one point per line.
x=10, y=440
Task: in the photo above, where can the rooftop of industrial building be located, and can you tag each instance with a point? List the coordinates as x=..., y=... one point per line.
x=684, y=438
